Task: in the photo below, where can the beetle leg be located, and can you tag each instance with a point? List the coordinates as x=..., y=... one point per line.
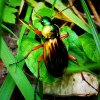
x=71, y=57
x=64, y=36
x=35, y=30
x=39, y=60
x=35, y=48
x=29, y=26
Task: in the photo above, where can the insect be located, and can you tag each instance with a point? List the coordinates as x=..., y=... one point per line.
x=55, y=54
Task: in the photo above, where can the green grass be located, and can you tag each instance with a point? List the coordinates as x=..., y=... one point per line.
x=16, y=75
x=92, y=27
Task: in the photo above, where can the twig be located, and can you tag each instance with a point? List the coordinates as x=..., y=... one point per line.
x=94, y=11
x=76, y=11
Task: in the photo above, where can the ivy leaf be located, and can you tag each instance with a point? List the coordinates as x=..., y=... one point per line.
x=8, y=15
x=89, y=47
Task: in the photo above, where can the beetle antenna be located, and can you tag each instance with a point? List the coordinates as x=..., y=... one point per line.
x=66, y=8
x=62, y=10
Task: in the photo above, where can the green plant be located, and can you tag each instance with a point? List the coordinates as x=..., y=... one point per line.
x=15, y=73
x=78, y=46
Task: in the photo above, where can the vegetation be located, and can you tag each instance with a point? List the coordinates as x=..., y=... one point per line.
x=85, y=45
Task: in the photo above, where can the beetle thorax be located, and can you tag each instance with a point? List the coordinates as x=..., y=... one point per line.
x=50, y=31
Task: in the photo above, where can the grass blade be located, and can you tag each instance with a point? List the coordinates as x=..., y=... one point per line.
x=7, y=87
x=92, y=25
x=26, y=19
x=10, y=31
x=15, y=72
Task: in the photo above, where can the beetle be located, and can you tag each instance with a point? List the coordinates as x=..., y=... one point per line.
x=55, y=53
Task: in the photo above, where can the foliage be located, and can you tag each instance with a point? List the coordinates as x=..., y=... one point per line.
x=89, y=47
x=10, y=10
x=9, y=16
x=83, y=47
x=16, y=75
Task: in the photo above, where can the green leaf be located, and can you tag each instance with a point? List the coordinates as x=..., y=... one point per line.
x=42, y=11
x=32, y=60
x=89, y=47
x=8, y=15
x=14, y=3
x=74, y=48
x=74, y=44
